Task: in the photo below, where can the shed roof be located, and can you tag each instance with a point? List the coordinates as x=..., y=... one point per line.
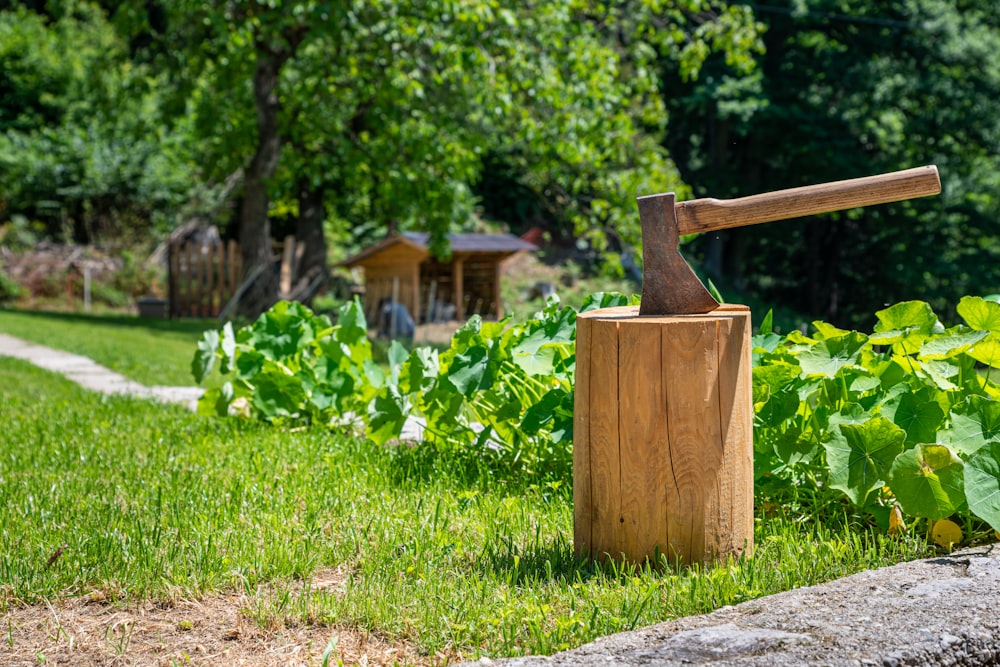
x=463, y=243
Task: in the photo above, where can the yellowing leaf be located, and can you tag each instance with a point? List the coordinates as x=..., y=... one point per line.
x=896, y=525
x=986, y=352
x=946, y=533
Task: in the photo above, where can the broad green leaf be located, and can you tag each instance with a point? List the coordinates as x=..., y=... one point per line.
x=928, y=481
x=278, y=394
x=468, y=371
x=889, y=372
x=906, y=326
x=603, y=300
x=979, y=313
x=779, y=407
x=764, y=343
x=907, y=315
x=543, y=412
x=441, y=405
x=795, y=447
x=775, y=376
x=505, y=420
x=852, y=413
x=767, y=324
x=228, y=347
x=420, y=370
x=249, y=364
x=917, y=413
x=550, y=338
x=859, y=380
x=973, y=423
x=986, y=352
x=397, y=354
x=462, y=338
x=204, y=357
x=982, y=484
x=886, y=337
x=951, y=343
x=351, y=325
x=281, y=332
x=942, y=373
x=799, y=340
x=859, y=456
x=215, y=402
x=541, y=362
x=386, y=415
x=826, y=331
x=828, y=356
x=372, y=373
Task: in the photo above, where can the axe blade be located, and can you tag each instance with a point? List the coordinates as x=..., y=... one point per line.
x=669, y=286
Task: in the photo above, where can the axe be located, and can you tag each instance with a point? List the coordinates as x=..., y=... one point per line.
x=670, y=287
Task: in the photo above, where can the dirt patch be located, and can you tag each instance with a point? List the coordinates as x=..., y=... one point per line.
x=217, y=630
x=435, y=333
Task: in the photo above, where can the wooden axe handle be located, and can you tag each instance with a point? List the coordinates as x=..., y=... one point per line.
x=706, y=215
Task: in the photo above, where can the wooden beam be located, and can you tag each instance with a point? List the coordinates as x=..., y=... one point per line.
x=414, y=294
x=496, y=290
x=287, y=267
x=459, y=295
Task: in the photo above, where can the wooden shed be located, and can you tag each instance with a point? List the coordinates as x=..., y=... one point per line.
x=401, y=266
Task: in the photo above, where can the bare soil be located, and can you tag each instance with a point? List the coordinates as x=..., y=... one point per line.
x=215, y=630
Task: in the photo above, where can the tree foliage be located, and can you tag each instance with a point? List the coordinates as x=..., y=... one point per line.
x=81, y=150
x=389, y=111
x=850, y=88
x=350, y=119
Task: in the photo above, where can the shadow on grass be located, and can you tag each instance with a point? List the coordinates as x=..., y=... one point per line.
x=535, y=561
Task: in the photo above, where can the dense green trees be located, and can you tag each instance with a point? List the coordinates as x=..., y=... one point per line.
x=82, y=151
x=346, y=119
x=850, y=88
x=385, y=111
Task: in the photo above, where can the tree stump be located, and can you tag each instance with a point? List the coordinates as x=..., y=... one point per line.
x=663, y=436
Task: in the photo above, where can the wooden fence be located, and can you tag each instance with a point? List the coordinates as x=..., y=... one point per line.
x=203, y=277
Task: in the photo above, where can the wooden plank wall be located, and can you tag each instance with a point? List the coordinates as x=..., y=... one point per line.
x=202, y=277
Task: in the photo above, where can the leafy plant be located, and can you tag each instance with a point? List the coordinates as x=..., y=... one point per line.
x=10, y=290
x=899, y=416
x=290, y=365
x=502, y=389
x=899, y=422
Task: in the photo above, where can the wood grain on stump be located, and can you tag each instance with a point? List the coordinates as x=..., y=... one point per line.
x=663, y=435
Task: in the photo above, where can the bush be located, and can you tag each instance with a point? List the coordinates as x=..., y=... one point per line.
x=9, y=289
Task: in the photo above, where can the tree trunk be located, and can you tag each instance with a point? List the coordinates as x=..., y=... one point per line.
x=309, y=229
x=255, y=227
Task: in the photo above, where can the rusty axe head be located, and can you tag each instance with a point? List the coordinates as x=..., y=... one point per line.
x=670, y=287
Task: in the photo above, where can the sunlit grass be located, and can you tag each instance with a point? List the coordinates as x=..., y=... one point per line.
x=150, y=351
x=149, y=501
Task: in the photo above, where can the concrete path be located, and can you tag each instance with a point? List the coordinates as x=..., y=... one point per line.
x=937, y=611
x=91, y=375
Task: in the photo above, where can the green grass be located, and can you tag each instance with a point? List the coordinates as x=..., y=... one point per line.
x=150, y=351
x=153, y=502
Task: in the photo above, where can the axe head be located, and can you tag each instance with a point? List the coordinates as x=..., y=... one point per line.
x=669, y=286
